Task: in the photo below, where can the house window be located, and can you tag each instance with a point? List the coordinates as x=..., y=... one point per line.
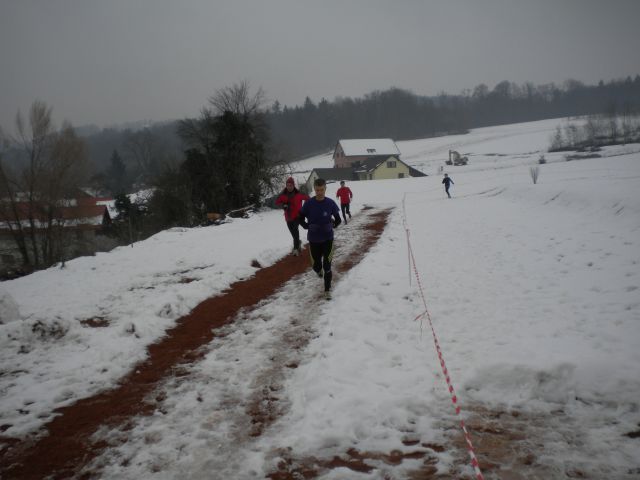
x=391, y=164
x=401, y=175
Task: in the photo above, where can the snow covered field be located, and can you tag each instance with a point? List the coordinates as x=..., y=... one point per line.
x=534, y=292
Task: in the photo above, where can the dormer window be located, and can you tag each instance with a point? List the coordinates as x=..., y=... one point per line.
x=371, y=150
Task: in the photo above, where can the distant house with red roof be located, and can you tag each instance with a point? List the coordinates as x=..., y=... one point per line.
x=81, y=218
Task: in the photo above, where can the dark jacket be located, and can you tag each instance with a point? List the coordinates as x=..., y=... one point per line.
x=316, y=216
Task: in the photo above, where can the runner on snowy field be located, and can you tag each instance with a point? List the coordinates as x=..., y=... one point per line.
x=447, y=183
x=316, y=216
x=345, y=195
x=290, y=200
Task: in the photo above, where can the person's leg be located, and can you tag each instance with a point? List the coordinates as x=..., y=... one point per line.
x=349, y=209
x=447, y=190
x=315, y=250
x=295, y=233
x=343, y=207
x=327, y=257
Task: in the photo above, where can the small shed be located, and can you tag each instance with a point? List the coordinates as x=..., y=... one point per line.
x=329, y=174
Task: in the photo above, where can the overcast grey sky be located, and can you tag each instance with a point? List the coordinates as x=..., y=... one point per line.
x=111, y=61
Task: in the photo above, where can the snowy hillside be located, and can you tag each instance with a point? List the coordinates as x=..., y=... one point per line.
x=496, y=147
x=534, y=293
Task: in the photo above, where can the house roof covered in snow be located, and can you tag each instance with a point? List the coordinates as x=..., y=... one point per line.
x=69, y=216
x=368, y=147
x=334, y=173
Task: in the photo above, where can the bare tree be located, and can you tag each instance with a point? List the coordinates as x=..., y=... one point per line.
x=9, y=190
x=20, y=189
x=66, y=170
x=627, y=124
x=142, y=147
x=238, y=99
x=572, y=135
x=230, y=162
x=534, y=172
x=612, y=116
x=557, y=141
x=593, y=129
x=33, y=195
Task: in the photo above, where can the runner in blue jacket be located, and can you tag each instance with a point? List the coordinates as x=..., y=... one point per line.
x=320, y=215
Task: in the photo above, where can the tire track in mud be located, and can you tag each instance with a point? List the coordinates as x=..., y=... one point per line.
x=64, y=445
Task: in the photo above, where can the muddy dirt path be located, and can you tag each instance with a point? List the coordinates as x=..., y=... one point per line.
x=509, y=445
x=65, y=445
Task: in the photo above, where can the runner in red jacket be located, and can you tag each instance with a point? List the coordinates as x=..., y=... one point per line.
x=290, y=199
x=345, y=195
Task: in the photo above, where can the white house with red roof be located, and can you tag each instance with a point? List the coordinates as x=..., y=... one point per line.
x=351, y=151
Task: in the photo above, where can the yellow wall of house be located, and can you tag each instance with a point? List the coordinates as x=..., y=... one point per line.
x=383, y=172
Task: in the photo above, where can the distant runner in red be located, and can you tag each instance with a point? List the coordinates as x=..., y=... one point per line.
x=345, y=195
x=290, y=199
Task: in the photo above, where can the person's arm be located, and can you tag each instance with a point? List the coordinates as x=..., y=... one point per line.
x=282, y=201
x=350, y=194
x=336, y=215
x=302, y=218
x=301, y=198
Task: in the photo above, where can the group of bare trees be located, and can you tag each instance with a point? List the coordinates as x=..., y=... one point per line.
x=35, y=187
x=609, y=128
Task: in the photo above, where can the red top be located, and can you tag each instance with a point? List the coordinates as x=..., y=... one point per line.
x=293, y=201
x=345, y=195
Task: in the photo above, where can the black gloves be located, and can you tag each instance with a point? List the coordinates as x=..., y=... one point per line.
x=285, y=206
x=336, y=222
x=303, y=223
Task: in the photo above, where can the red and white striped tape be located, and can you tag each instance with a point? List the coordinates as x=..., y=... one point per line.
x=445, y=371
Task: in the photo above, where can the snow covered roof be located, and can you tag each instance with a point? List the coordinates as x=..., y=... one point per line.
x=369, y=147
x=71, y=216
x=110, y=203
x=334, y=173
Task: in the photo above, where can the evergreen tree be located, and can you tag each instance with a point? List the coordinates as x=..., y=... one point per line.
x=117, y=174
x=229, y=162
